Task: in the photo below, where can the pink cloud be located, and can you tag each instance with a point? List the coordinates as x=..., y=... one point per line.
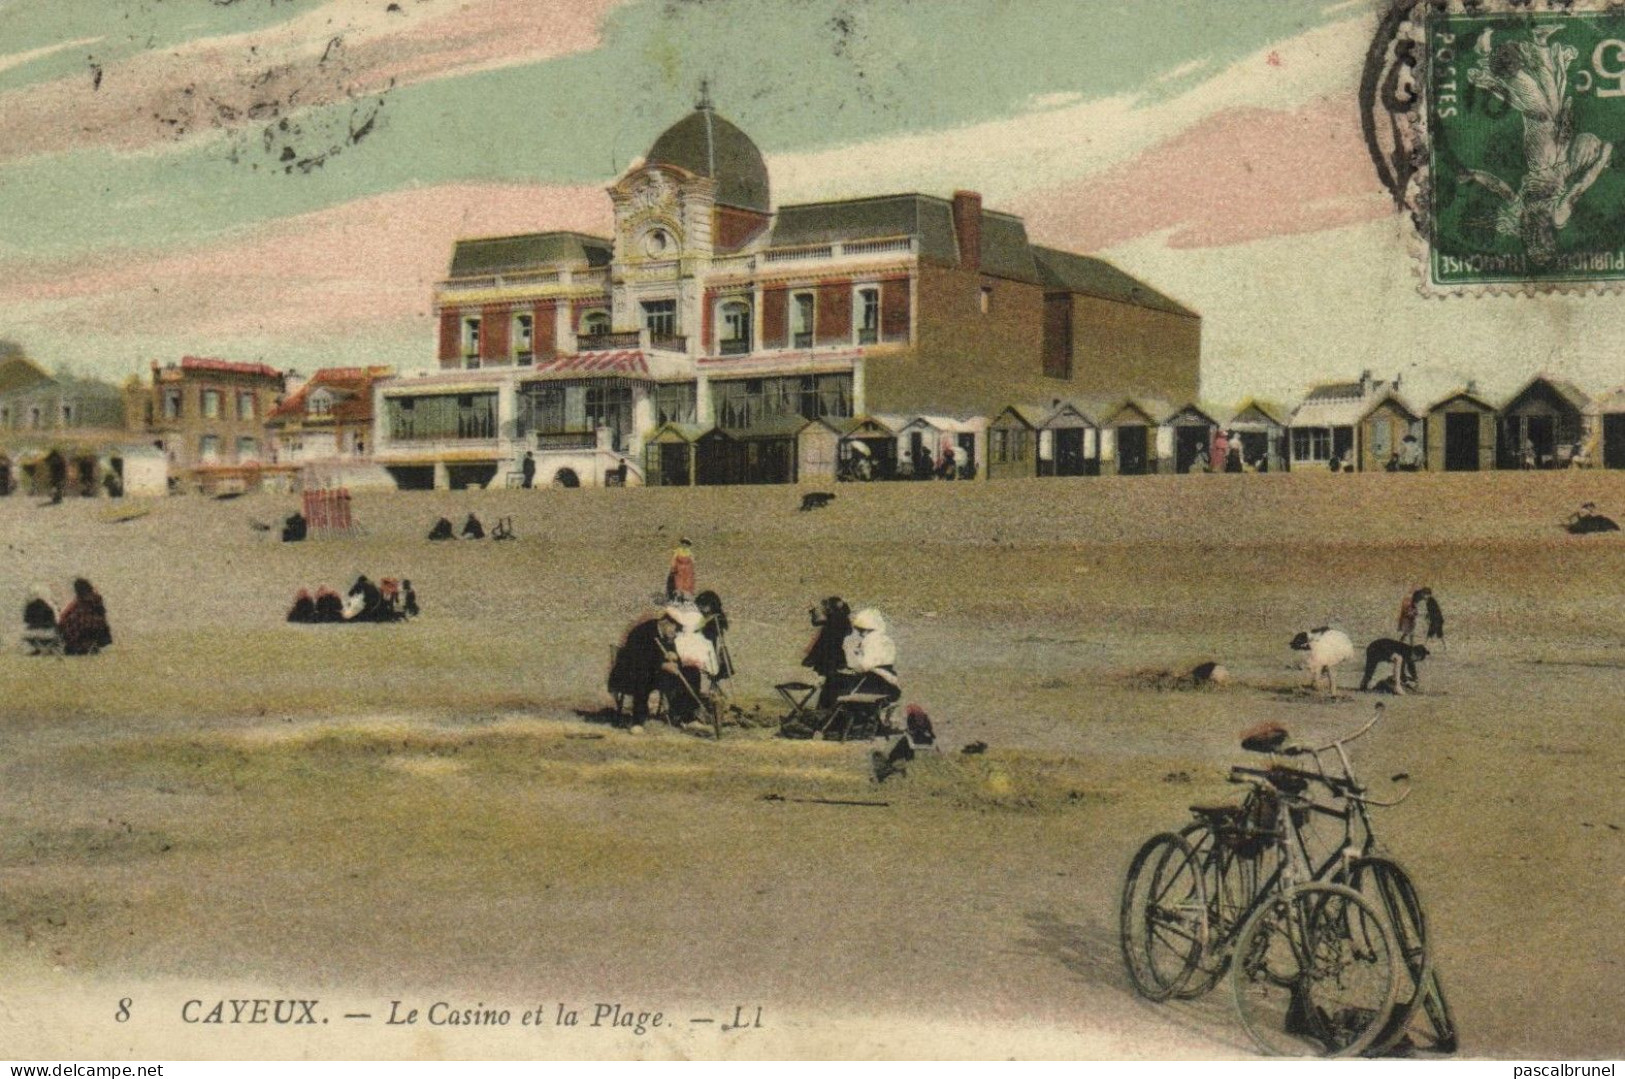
x=333, y=53
x=1243, y=174
x=363, y=264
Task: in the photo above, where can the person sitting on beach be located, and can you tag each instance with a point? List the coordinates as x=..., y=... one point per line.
x=365, y=602
x=329, y=607
x=443, y=530
x=83, y=624
x=39, y=622
x=715, y=628
x=409, y=600
x=695, y=660
x=472, y=529
x=825, y=655
x=641, y=659
x=871, y=658
x=39, y=613
x=304, y=607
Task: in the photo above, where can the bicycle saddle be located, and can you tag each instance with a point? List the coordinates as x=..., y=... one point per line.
x=1264, y=738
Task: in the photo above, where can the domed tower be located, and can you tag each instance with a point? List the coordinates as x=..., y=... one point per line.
x=701, y=190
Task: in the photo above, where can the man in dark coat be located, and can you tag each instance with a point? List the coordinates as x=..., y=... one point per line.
x=643, y=658
x=472, y=529
x=367, y=600
x=84, y=621
x=826, y=655
x=528, y=470
x=1402, y=656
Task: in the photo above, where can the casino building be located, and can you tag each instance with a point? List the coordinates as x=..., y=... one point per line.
x=711, y=333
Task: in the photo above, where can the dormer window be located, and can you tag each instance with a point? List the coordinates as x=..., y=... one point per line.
x=319, y=403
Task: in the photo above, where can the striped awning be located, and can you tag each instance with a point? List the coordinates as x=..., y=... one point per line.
x=626, y=361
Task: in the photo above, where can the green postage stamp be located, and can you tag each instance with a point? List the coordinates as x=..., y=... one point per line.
x=1525, y=111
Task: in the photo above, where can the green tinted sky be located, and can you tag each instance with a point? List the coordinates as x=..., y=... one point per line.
x=796, y=76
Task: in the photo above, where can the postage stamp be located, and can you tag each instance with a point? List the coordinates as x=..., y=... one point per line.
x=1510, y=117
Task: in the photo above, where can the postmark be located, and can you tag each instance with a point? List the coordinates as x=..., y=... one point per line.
x=1499, y=126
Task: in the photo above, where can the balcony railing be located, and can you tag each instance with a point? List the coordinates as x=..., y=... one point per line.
x=735, y=346
x=846, y=249
x=605, y=342
x=669, y=342
x=566, y=440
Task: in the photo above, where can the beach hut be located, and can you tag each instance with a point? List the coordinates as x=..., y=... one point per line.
x=1012, y=442
x=1262, y=432
x=669, y=455
x=1322, y=426
x=1383, y=429
x=1461, y=433
x=1194, y=431
x=874, y=439
x=1133, y=438
x=1541, y=424
x=786, y=449
x=933, y=434
x=1603, y=443
x=1068, y=442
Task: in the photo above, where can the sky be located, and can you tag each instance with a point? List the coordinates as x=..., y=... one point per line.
x=283, y=180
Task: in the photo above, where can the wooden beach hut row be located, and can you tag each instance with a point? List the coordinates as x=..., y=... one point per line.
x=1132, y=437
x=1365, y=426
x=787, y=450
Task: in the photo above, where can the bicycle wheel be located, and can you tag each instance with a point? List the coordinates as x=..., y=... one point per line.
x=1389, y=888
x=1163, y=920
x=1231, y=876
x=1315, y=972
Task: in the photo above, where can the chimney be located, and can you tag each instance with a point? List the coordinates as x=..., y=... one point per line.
x=1472, y=386
x=1397, y=377
x=968, y=227
x=1365, y=382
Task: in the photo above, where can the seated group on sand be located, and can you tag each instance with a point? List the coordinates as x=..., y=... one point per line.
x=681, y=652
x=79, y=629
x=389, y=600
x=473, y=529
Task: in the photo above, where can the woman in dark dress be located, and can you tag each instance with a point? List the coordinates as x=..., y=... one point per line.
x=826, y=655
x=84, y=621
x=715, y=629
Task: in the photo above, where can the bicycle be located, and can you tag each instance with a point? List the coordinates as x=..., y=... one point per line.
x=1242, y=881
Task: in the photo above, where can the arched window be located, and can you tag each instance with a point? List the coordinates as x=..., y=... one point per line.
x=594, y=322
x=733, y=327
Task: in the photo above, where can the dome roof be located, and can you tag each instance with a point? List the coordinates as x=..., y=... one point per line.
x=707, y=145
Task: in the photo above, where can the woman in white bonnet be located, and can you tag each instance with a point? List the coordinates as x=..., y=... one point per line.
x=871, y=657
x=696, y=658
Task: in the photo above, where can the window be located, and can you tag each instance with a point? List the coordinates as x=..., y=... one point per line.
x=986, y=299
x=471, y=340
x=675, y=404
x=67, y=415
x=610, y=406
x=734, y=339
x=248, y=449
x=1311, y=444
x=660, y=316
x=749, y=402
x=36, y=417
x=209, y=448
x=442, y=416
x=524, y=336
x=319, y=403
x=802, y=310
x=211, y=404
x=594, y=323
x=868, y=316
x=5, y=416
x=172, y=404
x=245, y=404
